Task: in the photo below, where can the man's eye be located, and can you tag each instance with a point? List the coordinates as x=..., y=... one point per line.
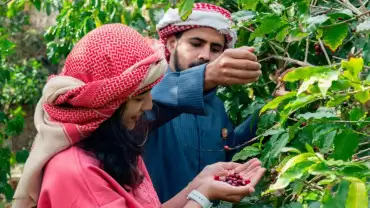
x=216, y=50
x=195, y=44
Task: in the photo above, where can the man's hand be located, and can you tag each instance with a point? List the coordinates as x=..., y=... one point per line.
x=233, y=66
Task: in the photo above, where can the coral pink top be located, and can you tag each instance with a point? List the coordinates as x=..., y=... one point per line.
x=75, y=179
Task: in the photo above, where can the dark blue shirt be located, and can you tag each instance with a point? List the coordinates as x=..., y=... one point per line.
x=177, y=151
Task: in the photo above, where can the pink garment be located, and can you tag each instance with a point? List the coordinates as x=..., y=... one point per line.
x=73, y=178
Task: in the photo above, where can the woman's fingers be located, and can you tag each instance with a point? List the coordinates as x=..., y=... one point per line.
x=248, y=166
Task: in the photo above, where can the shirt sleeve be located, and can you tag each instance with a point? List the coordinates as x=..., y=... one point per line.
x=178, y=92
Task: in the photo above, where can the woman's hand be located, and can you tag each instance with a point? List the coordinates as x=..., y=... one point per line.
x=218, y=190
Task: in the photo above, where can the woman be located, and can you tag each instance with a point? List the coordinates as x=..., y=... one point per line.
x=92, y=127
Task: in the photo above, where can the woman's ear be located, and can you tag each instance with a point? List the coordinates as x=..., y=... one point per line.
x=171, y=44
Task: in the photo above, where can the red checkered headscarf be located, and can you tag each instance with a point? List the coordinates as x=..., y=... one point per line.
x=203, y=15
x=104, y=69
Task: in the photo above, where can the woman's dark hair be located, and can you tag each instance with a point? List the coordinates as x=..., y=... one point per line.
x=117, y=149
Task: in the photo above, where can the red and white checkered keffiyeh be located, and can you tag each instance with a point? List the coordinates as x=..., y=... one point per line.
x=203, y=15
x=104, y=69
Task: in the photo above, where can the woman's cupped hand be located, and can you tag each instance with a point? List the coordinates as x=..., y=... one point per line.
x=212, y=182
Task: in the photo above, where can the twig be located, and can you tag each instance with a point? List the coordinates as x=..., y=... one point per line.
x=347, y=4
x=312, y=185
x=364, y=143
x=324, y=50
x=346, y=21
x=361, y=159
x=362, y=151
x=307, y=47
x=294, y=61
x=254, y=139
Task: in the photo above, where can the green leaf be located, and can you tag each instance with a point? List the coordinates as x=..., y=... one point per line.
x=334, y=36
x=277, y=8
x=363, y=96
x=186, y=8
x=274, y=146
x=353, y=68
x=303, y=73
x=337, y=100
x=309, y=148
x=291, y=174
x=269, y=24
x=275, y=102
x=290, y=149
x=306, y=84
x=345, y=145
x=320, y=169
x=326, y=80
x=315, y=22
x=243, y=15
x=357, y=114
x=9, y=192
x=338, y=199
x=37, y=4
x=357, y=195
x=282, y=34
x=21, y=156
x=344, y=13
x=299, y=103
x=246, y=153
x=140, y=3
x=364, y=26
x=297, y=159
x=249, y=4
x=317, y=115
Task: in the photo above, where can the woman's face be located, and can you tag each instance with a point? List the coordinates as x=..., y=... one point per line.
x=134, y=109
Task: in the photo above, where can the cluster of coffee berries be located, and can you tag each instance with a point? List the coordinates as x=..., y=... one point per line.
x=318, y=50
x=233, y=179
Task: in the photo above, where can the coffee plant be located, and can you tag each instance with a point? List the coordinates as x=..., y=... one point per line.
x=312, y=101
x=21, y=81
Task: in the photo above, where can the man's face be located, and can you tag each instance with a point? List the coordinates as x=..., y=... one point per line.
x=195, y=47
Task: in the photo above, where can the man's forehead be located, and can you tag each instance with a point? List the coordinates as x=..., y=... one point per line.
x=205, y=34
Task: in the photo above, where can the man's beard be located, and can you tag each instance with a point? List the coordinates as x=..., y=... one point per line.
x=178, y=68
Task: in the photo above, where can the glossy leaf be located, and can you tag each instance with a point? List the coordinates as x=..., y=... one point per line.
x=334, y=36
x=246, y=153
x=345, y=144
x=275, y=102
x=357, y=195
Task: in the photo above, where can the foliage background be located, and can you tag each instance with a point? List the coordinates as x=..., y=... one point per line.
x=313, y=138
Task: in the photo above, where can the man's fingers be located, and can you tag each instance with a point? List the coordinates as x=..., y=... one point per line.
x=240, y=53
x=241, y=64
x=242, y=74
x=232, y=81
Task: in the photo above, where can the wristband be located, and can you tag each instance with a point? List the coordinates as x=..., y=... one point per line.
x=200, y=198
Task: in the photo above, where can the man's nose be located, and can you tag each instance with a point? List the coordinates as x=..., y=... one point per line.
x=205, y=53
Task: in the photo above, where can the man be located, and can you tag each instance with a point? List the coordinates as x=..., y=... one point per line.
x=201, y=56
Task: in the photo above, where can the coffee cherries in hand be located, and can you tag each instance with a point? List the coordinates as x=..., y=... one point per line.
x=233, y=179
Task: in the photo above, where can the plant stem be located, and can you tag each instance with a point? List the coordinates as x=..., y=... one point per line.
x=307, y=47
x=364, y=143
x=294, y=61
x=312, y=185
x=362, y=159
x=362, y=151
x=324, y=50
x=254, y=139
